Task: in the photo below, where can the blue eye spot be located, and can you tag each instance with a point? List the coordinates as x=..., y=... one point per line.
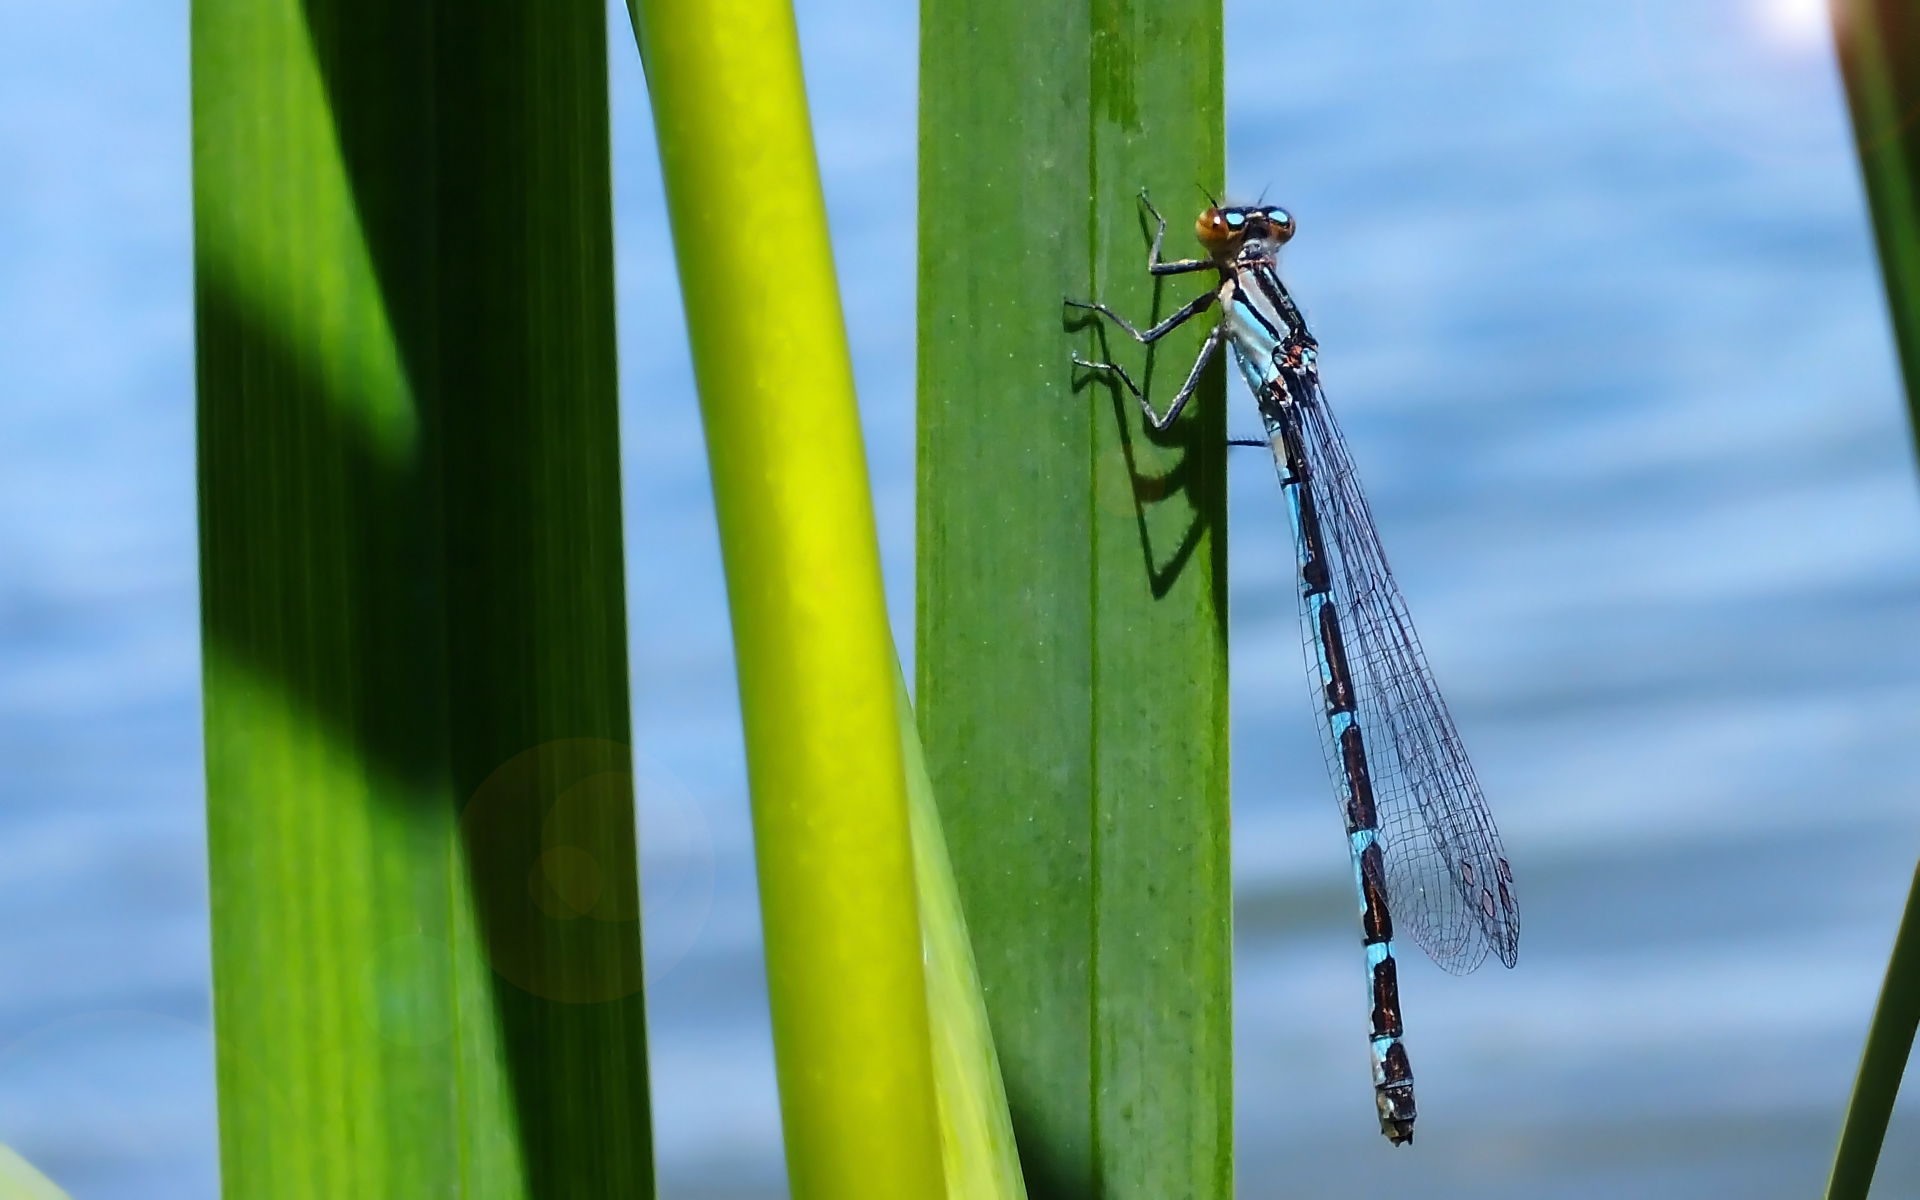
x=1236, y=220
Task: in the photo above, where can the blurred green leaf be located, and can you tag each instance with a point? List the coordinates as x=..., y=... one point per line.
x=425, y=915
x=20, y=1181
x=1879, y=47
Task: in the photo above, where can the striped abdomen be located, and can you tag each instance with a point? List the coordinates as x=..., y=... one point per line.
x=1392, y=1076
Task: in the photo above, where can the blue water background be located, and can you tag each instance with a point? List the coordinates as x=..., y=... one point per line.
x=1599, y=311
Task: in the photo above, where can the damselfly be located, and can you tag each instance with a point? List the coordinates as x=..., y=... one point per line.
x=1424, y=847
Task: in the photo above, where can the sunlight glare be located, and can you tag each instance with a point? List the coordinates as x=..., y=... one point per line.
x=1798, y=25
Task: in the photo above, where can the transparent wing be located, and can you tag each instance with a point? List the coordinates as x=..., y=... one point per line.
x=1448, y=881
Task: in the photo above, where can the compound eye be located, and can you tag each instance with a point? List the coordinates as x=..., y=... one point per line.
x=1215, y=228
x=1280, y=220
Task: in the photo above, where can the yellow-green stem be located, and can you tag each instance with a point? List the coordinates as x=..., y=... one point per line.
x=816, y=664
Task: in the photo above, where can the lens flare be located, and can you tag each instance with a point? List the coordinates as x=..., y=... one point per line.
x=1797, y=25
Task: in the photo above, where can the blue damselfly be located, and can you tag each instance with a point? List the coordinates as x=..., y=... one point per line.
x=1425, y=851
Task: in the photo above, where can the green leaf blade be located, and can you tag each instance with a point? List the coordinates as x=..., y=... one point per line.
x=1072, y=672
x=426, y=938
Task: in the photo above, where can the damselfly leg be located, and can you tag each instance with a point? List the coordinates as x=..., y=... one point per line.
x=1155, y=421
x=1154, y=265
x=1149, y=336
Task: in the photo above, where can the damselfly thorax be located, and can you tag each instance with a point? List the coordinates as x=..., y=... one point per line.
x=1423, y=846
x=1260, y=318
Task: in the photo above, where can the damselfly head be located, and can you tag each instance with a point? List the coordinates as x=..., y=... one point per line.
x=1225, y=231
